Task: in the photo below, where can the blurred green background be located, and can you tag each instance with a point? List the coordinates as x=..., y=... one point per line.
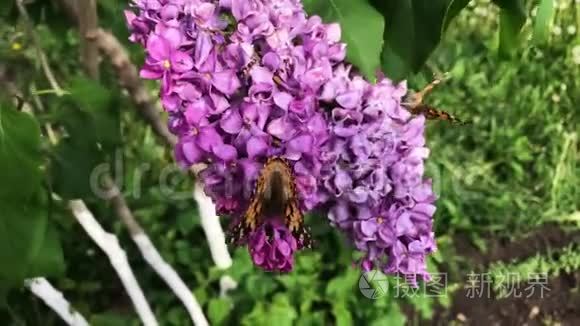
x=508, y=187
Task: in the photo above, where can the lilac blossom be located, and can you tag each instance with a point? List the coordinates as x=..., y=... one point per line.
x=373, y=175
x=245, y=80
x=272, y=246
x=240, y=81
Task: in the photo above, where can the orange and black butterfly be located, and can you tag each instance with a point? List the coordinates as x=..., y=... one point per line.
x=275, y=195
x=416, y=106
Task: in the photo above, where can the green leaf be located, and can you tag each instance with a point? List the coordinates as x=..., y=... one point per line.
x=258, y=286
x=101, y=106
x=413, y=30
x=282, y=313
x=342, y=315
x=511, y=20
x=258, y=315
x=20, y=155
x=73, y=162
x=92, y=121
x=49, y=260
x=218, y=310
x=6, y=8
x=343, y=287
x=22, y=230
x=453, y=9
x=362, y=29
x=544, y=18
x=393, y=317
x=315, y=318
x=22, y=204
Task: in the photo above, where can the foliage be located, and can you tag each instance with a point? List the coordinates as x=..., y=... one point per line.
x=412, y=29
x=512, y=170
x=566, y=260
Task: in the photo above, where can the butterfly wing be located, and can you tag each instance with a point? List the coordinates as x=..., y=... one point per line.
x=432, y=113
x=252, y=217
x=295, y=222
x=275, y=193
x=238, y=233
x=293, y=217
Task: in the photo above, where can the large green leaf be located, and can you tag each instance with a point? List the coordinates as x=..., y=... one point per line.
x=20, y=155
x=49, y=259
x=544, y=18
x=23, y=213
x=218, y=310
x=22, y=230
x=362, y=29
x=101, y=106
x=91, y=118
x=74, y=160
x=511, y=20
x=413, y=30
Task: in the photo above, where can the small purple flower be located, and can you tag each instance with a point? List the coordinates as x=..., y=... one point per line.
x=272, y=246
x=165, y=59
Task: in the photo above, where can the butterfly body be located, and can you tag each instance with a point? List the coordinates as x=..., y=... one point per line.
x=416, y=106
x=274, y=197
x=432, y=113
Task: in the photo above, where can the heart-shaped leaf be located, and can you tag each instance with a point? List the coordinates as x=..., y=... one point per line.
x=362, y=30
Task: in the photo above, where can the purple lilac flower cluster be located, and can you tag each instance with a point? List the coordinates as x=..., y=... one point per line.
x=244, y=80
x=240, y=81
x=373, y=174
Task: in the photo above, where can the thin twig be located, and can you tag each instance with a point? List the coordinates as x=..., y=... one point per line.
x=129, y=79
x=109, y=243
x=152, y=255
x=49, y=131
x=41, y=55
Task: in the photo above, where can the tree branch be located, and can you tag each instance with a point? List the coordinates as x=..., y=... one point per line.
x=171, y=278
x=53, y=298
x=130, y=80
x=212, y=228
x=88, y=24
x=109, y=243
x=152, y=256
x=148, y=108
